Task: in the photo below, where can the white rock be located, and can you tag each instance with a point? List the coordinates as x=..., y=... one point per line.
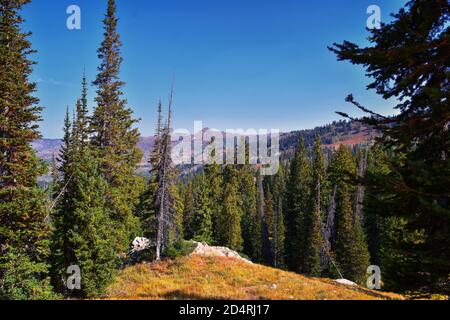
x=345, y=282
x=140, y=244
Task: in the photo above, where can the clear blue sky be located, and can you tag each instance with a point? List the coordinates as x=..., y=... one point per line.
x=238, y=63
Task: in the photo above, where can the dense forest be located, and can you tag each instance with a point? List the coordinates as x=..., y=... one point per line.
x=328, y=212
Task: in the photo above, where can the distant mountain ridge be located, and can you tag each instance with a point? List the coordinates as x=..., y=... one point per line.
x=339, y=132
x=45, y=148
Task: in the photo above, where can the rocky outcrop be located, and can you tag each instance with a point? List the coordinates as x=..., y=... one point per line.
x=140, y=244
x=205, y=250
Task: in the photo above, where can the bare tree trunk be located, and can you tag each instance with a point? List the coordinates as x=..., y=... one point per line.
x=160, y=230
x=163, y=216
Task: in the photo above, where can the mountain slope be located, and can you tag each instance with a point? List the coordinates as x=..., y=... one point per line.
x=213, y=278
x=348, y=133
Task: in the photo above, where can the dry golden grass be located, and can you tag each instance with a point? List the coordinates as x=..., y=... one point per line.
x=215, y=278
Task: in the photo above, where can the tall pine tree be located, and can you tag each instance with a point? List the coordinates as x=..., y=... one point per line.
x=408, y=61
x=229, y=228
x=147, y=209
x=250, y=221
x=114, y=137
x=188, y=208
x=202, y=220
x=297, y=202
x=24, y=234
x=351, y=250
x=214, y=177
x=279, y=191
x=348, y=241
x=313, y=263
x=82, y=227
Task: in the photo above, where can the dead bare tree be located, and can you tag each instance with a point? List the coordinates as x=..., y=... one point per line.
x=164, y=198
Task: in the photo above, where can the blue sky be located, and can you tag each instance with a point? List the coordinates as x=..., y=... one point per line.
x=238, y=63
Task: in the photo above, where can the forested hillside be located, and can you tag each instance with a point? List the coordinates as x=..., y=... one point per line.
x=352, y=197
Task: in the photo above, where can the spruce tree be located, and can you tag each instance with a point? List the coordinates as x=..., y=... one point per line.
x=279, y=191
x=229, y=227
x=264, y=251
x=54, y=172
x=269, y=221
x=250, y=221
x=314, y=220
x=202, y=220
x=24, y=234
x=279, y=235
x=386, y=233
x=408, y=61
x=351, y=250
x=82, y=227
x=147, y=208
x=348, y=240
x=214, y=177
x=83, y=231
x=82, y=113
x=297, y=202
x=341, y=171
x=114, y=137
x=319, y=183
x=188, y=209
x=374, y=222
x=176, y=231
x=313, y=246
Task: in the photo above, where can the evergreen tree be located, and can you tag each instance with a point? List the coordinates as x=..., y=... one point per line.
x=147, y=208
x=314, y=250
x=279, y=235
x=319, y=187
x=264, y=251
x=340, y=172
x=64, y=154
x=374, y=221
x=214, y=177
x=188, y=209
x=351, y=250
x=229, y=227
x=81, y=222
x=313, y=246
x=297, y=202
x=82, y=114
x=385, y=233
x=24, y=234
x=176, y=231
x=250, y=221
x=114, y=138
x=408, y=61
x=202, y=219
x=82, y=231
x=269, y=221
x=279, y=187
x=348, y=240
x=54, y=171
